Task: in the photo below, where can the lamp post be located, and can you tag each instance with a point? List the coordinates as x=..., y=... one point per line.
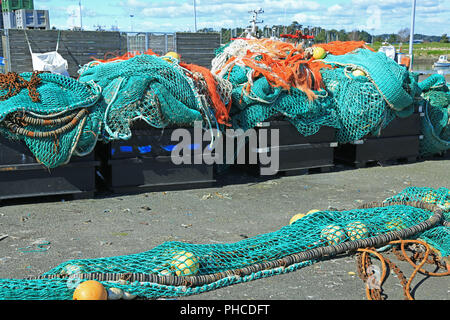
x=411, y=35
x=131, y=22
x=81, y=15
x=195, y=16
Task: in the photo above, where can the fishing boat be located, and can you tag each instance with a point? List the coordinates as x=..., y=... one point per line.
x=442, y=62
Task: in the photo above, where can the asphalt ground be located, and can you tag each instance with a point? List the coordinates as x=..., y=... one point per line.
x=240, y=206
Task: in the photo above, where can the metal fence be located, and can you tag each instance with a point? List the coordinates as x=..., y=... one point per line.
x=160, y=43
x=81, y=47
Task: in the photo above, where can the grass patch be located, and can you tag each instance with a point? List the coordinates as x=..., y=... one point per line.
x=429, y=49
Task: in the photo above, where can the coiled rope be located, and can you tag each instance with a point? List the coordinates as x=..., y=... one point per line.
x=16, y=127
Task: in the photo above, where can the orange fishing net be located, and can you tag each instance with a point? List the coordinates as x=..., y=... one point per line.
x=283, y=64
x=221, y=110
x=125, y=56
x=343, y=47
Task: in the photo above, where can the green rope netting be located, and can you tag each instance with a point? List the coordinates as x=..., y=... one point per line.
x=436, y=122
x=59, y=97
x=145, y=87
x=354, y=105
x=162, y=94
x=315, y=230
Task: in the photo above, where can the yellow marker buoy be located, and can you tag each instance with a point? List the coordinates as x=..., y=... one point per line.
x=319, y=53
x=357, y=230
x=90, y=290
x=430, y=197
x=333, y=234
x=297, y=217
x=358, y=73
x=301, y=215
x=396, y=224
x=184, y=264
x=171, y=54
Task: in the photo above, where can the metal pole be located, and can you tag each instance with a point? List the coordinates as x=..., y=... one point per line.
x=81, y=16
x=411, y=35
x=195, y=17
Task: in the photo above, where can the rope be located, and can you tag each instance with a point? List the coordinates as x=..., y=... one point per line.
x=364, y=264
x=14, y=83
x=16, y=129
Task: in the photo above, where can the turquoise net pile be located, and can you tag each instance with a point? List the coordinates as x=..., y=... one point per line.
x=179, y=260
x=59, y=97
x=355, y=105
x=113, y=94
x=162, y=93
x=436, y=122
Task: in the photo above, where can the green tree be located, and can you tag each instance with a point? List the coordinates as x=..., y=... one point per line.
x=342, y=35
x=444, y=38
x=393, y=38
x=321, y=37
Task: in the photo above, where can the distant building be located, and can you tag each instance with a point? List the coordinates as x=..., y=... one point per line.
x=32, y=19
x=20, y=14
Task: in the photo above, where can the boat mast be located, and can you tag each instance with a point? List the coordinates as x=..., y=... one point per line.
x=411, y=34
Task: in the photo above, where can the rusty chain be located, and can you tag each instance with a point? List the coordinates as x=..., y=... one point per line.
x=14, y=83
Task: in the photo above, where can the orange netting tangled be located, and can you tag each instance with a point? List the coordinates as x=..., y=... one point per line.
x=343, y=47
x=283, y=64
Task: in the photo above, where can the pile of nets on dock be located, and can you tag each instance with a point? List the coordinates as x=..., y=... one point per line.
x=350, y=88
x=353, y=89
x=436, y=122
x=57, y=116
x=175, y=269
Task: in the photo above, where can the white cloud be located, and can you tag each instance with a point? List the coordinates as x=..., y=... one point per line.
x=382, y=16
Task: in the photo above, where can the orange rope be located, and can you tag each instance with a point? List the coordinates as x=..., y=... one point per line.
x=417, y=268
x=221, y=110
x=283, y=64
x=126, y=56
x=343, y=47
x=383, y=275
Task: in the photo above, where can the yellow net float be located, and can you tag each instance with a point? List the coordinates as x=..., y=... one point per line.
x=333, y=234
x=301, y=215
x=169, y=56
x=357, y=230
x=90, y=290
x=319, y=53
x=184, y=264
x=396, y=224
x=430, y=197
x=358, y=73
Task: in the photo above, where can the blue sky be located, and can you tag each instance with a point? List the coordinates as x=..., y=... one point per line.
x=382, y=16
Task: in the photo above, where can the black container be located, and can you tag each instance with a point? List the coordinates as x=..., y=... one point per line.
x=397, y=143
x=382, y=150
x=144, y=163
x=401, y=127
x=21, y=176
x=297, y=154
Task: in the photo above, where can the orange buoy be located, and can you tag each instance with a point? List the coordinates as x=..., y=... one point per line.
x=406, y=61
x=90, y=290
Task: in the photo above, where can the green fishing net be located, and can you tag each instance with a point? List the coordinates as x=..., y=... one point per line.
x=436, y=122
x=145, y=87
x=59, y=96
x=354, y=105
x=315, y=230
